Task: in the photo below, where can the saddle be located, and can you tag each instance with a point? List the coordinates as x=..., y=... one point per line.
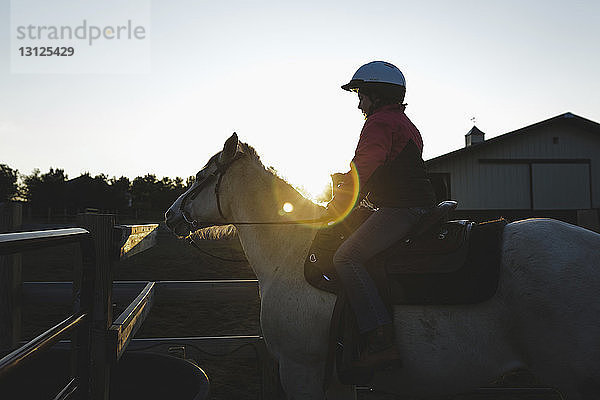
x=440, y=262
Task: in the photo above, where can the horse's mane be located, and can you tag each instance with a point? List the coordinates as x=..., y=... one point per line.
x=250, y=151
x=217, y=232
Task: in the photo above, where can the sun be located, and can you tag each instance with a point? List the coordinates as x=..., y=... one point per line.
x=314, y=186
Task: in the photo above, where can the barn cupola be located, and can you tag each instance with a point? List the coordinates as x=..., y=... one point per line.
x=474, y=136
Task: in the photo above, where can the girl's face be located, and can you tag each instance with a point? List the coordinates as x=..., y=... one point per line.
x=365, y=104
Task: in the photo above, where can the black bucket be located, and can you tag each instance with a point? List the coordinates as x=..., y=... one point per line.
x=137, y=375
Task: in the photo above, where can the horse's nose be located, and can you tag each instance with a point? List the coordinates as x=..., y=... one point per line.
x=169, y=218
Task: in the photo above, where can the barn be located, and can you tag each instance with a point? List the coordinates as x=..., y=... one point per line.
x=548, y=169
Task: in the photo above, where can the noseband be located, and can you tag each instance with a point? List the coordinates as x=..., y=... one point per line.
x=218, y=173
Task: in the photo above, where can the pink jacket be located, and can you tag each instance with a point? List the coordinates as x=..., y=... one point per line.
x=384, y=135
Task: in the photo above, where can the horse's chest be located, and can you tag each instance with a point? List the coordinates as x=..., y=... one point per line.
x=291, y=321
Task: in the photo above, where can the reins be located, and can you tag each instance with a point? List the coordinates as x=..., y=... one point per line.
x=191, y=241
x=292, y=222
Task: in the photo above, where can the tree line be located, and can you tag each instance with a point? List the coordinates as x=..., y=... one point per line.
x=54, y=193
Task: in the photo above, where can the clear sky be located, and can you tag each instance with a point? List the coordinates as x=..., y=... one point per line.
x=271, y=71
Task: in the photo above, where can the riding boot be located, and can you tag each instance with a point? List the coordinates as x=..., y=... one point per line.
x=380, y=351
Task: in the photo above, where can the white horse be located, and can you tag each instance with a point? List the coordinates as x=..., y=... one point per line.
x=544, y=317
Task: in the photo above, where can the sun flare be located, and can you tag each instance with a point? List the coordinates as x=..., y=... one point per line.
x=288, y=207
x=314, y=187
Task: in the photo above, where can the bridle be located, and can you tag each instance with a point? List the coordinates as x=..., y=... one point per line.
x=218, y=174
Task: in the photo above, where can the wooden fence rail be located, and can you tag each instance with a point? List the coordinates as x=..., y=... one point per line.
x=41, y=342
x=130, y=320
x=236, y=347
x=136, y=238
x=99, y=342
x=85, y=370
x=124, y=291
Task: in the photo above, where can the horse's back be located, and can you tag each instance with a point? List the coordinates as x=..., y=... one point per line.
x=543, y=232
x=551, y=286
x=554, y=252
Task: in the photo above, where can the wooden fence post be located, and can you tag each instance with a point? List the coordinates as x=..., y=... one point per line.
x=11, y=282
x=101, y=226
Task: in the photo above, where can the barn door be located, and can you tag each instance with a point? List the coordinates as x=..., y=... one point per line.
x=560, y=186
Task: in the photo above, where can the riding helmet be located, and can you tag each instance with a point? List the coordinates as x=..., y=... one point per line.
x=376, y=72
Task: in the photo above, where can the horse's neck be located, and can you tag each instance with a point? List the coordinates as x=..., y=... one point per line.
x=274, y=251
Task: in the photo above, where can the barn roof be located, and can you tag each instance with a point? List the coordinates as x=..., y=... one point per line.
x=490, y=142
x=475, y=131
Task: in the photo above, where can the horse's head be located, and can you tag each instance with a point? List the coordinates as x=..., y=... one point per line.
x=200, y=206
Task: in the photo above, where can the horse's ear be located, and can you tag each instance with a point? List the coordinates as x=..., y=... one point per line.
x=230, y=148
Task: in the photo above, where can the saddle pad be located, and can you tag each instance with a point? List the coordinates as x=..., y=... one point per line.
x=474, y=282
x=464, y=270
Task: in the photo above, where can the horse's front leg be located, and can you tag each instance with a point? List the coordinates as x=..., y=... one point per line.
x=301, y=381
x=339, y=391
